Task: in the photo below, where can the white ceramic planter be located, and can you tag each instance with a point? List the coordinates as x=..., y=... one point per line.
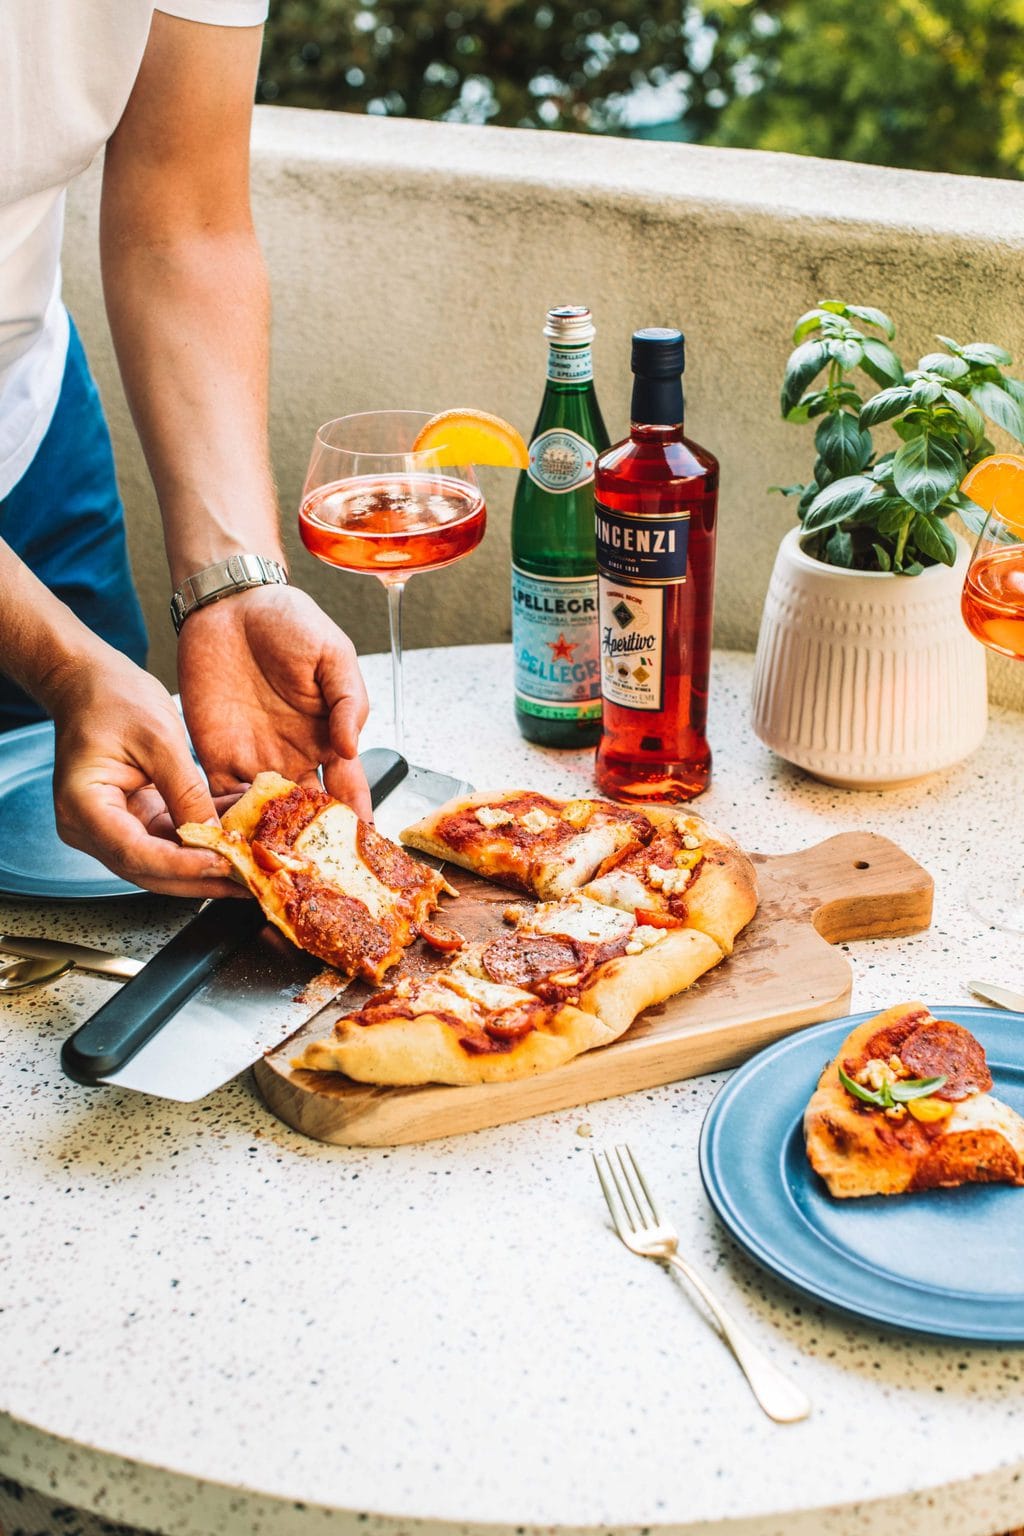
x=865, y=679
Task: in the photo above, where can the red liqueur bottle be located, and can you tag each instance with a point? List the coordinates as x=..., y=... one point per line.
x=655, y=504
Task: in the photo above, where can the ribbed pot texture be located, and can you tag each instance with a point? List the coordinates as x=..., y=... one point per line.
x=865, y=679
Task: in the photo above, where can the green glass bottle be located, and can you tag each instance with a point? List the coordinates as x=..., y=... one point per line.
x=554, y=566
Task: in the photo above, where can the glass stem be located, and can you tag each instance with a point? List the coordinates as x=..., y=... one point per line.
x=395, y=590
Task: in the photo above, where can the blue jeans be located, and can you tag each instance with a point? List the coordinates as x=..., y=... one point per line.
x=65, y=520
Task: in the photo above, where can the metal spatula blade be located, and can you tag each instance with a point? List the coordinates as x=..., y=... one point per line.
x=253, y=1001
x=420, y=792
x=228, y=987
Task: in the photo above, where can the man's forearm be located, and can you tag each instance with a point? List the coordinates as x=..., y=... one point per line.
x=190, y=319
x=42, y=643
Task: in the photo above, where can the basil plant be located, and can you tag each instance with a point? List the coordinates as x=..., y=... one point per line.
x=887, y=511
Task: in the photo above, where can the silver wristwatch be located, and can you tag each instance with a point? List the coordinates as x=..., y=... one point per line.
x=236, y=574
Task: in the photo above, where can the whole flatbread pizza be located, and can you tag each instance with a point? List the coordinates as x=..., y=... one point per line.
x=626, y=909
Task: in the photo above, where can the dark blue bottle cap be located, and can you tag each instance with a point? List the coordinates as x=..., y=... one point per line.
x=658, y=352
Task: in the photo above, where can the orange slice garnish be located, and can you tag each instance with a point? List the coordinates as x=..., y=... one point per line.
x=996, y=484
x=464, y=436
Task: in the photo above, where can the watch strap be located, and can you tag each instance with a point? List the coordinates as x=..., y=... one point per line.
x=235, y=574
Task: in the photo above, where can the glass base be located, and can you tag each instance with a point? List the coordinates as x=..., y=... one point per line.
x=998, y=902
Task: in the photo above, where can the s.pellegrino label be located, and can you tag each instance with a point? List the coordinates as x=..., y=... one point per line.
x=637, y=558
x=570, y=365
x=561, y=460
x=555, y=645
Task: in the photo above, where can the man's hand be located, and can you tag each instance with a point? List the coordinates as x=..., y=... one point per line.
x=124, y=778
x=269, y=682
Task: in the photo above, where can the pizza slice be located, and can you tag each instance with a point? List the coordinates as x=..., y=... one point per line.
x=601, y=959
x=327, y=880
x=532, y=842
x=906, y=1106
x=688, y=874
x=453, y=1027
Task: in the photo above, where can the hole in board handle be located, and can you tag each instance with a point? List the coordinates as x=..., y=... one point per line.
x=861, y=864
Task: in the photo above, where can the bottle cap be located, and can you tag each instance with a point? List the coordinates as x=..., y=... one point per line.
x=658, y=353
x=571, y=325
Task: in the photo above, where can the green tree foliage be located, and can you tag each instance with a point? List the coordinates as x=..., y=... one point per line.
x=932, y=84
x=523, y=63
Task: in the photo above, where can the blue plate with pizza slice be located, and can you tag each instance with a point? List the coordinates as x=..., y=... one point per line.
x=944, y=1262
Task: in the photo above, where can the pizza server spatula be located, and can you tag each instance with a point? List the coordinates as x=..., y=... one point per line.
x=228, y=987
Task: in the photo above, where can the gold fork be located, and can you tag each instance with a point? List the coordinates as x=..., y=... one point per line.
x=644, y=1231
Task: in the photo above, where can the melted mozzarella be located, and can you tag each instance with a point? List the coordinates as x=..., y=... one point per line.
x=490, y=994
x=580, y=918
x=621, y=888
x=491, y=816
x=434, y=997
x=582, y=854
x=329, y=844
x=981, y=1113
x=645, y=938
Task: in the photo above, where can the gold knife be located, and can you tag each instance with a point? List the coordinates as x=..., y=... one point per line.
x=81, y=956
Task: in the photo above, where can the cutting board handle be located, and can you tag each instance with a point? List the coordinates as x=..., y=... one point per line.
x=857, y=885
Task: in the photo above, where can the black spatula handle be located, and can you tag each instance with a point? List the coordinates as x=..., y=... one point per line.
x=134, y=1014
x=128, y=1019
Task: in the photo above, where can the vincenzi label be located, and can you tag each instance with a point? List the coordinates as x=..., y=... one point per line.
x=644, y=549
x=632, y=644
x=555, y=645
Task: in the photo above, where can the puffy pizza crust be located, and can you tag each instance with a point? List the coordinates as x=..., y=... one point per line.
x=398, y=1051
x=620, y=988
x=721, y=897
x=231, y=837
x=862, y=1152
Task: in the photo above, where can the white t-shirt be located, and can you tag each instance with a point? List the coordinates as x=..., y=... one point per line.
x=67, y=68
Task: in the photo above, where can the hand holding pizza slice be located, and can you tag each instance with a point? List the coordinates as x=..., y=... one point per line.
x=327, y=880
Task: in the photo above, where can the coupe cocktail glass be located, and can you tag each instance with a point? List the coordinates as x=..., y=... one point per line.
x=993, y=608
x=372, y=503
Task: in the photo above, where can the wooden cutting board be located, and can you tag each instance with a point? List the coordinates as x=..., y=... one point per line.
x=782, y=974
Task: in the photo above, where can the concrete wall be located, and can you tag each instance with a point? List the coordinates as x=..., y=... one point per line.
x=411, y=265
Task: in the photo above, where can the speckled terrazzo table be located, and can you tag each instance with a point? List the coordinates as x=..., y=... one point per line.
x=213, y=1326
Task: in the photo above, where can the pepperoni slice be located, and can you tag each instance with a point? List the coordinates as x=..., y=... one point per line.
x=941, y=1048
x=517, y=959
x=392, y=866
x=265, y=858
x=284, y=817
x=337, y=927
x=509, y=1027
x=440, y=937
x=380, y=1010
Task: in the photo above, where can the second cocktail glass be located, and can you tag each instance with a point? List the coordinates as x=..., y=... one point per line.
x=372, y=503
x=993, y=610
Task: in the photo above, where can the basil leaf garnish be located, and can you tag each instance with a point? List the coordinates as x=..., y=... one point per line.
x=891, y=1094
x=916, y=1088
x=865, y=1094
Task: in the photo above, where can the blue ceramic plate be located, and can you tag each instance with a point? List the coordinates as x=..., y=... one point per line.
x=33, y=860
x=946, y=1262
